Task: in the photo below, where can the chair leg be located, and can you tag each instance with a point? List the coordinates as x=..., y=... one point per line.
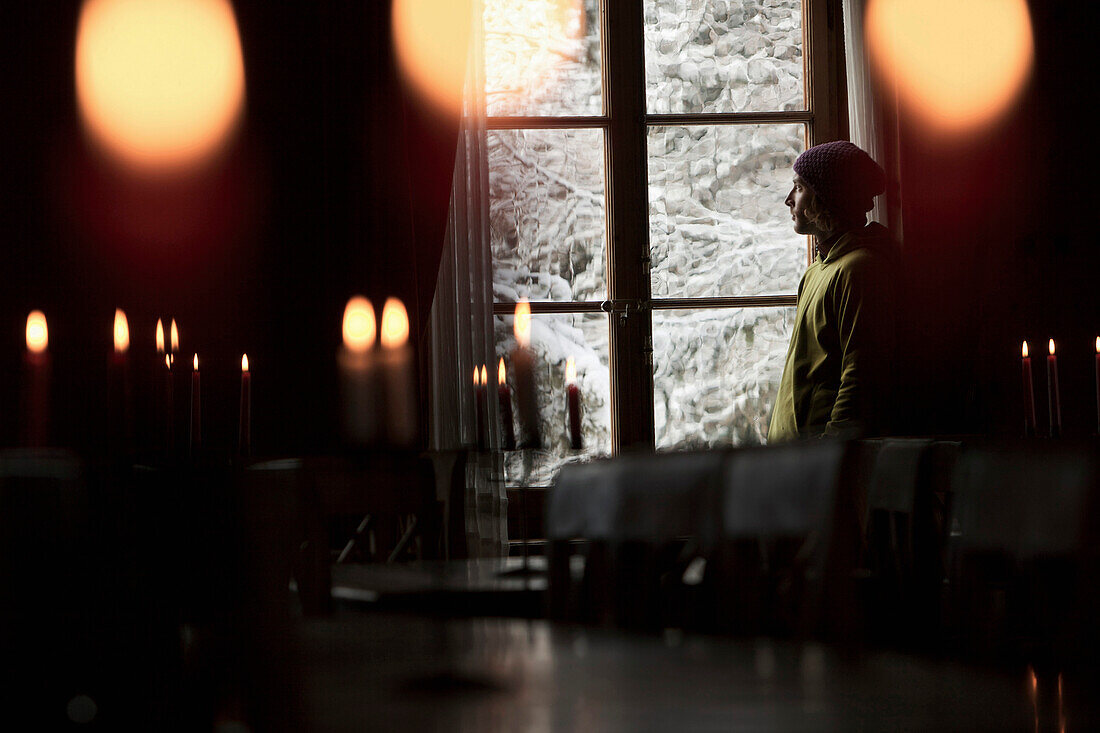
x=399, y=548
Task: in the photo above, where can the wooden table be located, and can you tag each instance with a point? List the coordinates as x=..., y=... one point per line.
x=389, y=672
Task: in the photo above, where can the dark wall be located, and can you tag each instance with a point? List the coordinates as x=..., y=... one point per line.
x=314, y=202
x=1000, y=246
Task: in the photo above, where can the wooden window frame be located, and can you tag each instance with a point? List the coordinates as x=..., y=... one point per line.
x=625, y=124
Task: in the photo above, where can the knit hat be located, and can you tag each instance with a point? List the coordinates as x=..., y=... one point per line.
x=845, y=178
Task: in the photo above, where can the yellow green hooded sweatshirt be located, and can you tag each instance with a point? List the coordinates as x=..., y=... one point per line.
x=840, y=360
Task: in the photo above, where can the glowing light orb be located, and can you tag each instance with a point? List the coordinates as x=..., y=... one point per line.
x=122, y=332
x=958, y=65
x=395, y=324
x=430, y=39
x=38, y=336
x=359, y=327
x=160, y=83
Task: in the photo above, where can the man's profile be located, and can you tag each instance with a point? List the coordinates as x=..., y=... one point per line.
x=836, y=379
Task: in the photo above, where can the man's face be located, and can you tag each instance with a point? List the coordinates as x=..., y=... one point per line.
x=798, y=200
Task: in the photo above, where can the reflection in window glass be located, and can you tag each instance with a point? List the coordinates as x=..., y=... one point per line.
x=716, y=373
x=542, y=58
x=717, y=222
x=723, y=56
x=547, y=214
x=554, y=338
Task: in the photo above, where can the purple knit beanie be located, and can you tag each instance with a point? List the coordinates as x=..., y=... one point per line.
x=845, y=178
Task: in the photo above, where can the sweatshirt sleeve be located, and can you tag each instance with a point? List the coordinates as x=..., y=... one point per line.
x=864, y=307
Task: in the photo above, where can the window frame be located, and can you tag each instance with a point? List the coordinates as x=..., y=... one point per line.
x=626, y=124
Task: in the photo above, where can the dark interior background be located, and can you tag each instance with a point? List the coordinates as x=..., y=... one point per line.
x=338, y=184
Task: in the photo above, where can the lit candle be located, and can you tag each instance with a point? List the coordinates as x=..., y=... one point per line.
x=36, y=381
x=397, y=374
x=244, y=435
x=480, y=412
x=1054, y=402
x=523, y=362
x=175, y=338
x=162, y=382
x=573, y=402
x=196, y=409
x=504, y=393
x=1029, y=394
x=358, y=372
x=119, y=410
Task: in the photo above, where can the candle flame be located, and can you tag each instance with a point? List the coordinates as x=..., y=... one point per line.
x=1050, y=347
x=168, y=361
x=160, y=337
x=1023, y=351
x=359, y=326
x=122, y=332
x=196, y=362
x=522, y=324
x=484, y=377
x=244, y=362
x=1034, y=680
x=502, y=376
x=1098, y=344
x=38, y=337
x=175, y=337
x=570, y=371
x=477, y=376
x=395, y=324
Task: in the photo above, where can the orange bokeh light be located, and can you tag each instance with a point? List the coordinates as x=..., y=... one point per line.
x=160, y=83
x=957, y=65
x=160, y=337
x=431, y=39
x=359, y=326
x=38, y=336
x=121, y=332
x=395, y=324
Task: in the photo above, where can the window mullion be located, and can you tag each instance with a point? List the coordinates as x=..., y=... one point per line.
x=628, y=224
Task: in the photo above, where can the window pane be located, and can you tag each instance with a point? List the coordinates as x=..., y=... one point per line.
x=723, y=56
x=717, y=222
x=716, y=373
x=547, y=214
x=554, y=338
x=542, y=57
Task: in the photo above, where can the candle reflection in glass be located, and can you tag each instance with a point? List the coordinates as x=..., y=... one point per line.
x=357, y=372
x=397, y=374
x=36, y=381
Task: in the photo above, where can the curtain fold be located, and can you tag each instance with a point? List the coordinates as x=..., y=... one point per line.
x=872, y=115
x=461, y=326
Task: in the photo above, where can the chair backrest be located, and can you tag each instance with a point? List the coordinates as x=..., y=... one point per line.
x=784, y=542
x=634, y=516
x=1023, y=521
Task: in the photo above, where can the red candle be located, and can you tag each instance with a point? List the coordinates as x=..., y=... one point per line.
x=1054, y=402
x=36, y=380
x=523, y=361
x=120, y=408
x=504, y=393
x=244, y=435
x=1098, y=385
x=196, y=408
x=1029, y=394
x=573, y=401
x=480, y=411
x=169, y=406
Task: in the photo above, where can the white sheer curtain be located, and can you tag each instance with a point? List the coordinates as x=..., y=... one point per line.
x=461, y=327
x=870, y=115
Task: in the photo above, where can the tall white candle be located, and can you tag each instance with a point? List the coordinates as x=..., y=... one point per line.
x=358, y=377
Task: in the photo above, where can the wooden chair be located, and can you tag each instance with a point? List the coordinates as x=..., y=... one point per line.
x=632, y=518
x=1023, y=559
x=783, y=542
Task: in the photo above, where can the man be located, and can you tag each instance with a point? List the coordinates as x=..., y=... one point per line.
x=839, y=362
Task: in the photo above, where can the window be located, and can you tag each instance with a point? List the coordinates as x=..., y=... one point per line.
x=639, y=156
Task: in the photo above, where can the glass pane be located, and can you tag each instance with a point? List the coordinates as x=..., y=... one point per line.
x=717, y=222
x=723, y=56
x=547, y=214
x=716, y=373
x=554, y=338
x=542, y=57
